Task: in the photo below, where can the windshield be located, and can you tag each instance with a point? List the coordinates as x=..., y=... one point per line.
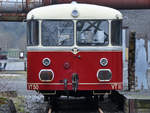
x=57, y=33
x=92, y=33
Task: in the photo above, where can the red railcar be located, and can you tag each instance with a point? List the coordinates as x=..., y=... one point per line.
x=74, y=49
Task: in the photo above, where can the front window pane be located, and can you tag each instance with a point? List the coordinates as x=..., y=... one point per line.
x=57, y=33
x=92, y=33
x=116, y=33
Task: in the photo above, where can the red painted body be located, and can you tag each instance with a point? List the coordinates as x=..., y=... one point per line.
x=85, y=64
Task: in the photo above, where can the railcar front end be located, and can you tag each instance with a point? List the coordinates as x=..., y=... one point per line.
x=76, y=50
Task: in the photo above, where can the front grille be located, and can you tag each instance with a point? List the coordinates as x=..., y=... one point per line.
x=104, y=75
x=46, y=75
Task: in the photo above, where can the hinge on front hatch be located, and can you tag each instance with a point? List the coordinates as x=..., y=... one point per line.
x=65, y=84
x=75, y=80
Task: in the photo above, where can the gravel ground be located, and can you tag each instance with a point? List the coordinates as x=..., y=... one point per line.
x=14, y=87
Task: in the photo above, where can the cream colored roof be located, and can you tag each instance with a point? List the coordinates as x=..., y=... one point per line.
x=64, y=11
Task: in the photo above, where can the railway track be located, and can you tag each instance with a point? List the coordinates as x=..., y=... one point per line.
x=82, y=105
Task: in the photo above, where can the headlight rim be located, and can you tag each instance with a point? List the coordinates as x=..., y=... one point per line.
x=47, y=70
x=46, y=65
x=104, y=70
x=103, y=65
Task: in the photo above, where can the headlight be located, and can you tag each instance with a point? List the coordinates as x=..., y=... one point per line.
x=104, y=75
x=103, y=62
x=46, y=61
x=46, y=75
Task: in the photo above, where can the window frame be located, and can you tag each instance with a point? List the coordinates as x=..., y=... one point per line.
x=39, y=29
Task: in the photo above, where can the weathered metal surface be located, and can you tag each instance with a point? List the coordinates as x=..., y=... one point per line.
x=16, y=10
x=12, y=16
x=16, y=6
x=23, y=6
x=131, y=62
x=19, y=6
x=118, y=4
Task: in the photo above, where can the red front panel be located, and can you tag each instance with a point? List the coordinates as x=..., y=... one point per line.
x=85, y=64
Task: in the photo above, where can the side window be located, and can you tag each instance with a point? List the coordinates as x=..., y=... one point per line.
x=32, y=33
x=116, y=32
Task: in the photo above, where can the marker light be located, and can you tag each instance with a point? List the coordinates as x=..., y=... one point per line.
x=103, y=62
x=75, y=13
x=46, y=62
x=66, y=65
